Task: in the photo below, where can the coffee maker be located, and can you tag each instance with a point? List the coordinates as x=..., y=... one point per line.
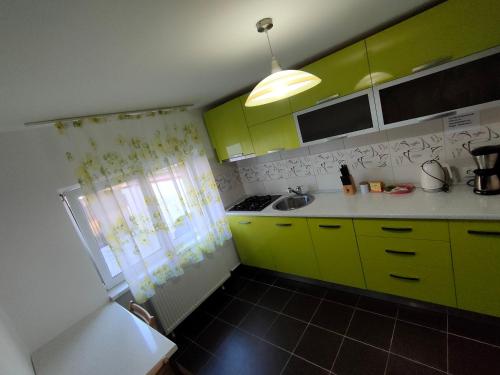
x=487, y=179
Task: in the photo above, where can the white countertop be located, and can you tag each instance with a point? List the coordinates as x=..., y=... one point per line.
x=110, y=341
x=459, y=203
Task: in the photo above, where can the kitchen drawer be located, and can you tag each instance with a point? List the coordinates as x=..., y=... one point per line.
x=337, y=251
x=475, y=246
x=421, y=283
x=417, y=229
x=403, y=252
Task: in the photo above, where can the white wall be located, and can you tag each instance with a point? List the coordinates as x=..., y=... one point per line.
x=47, y=281
x=14, y=355
x=393, y=156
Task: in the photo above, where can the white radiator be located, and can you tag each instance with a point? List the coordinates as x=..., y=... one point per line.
x=175, y=300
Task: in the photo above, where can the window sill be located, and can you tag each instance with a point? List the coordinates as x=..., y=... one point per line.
x=118, y=290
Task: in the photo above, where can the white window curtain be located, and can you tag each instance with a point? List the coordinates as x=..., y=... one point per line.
x=149, y=192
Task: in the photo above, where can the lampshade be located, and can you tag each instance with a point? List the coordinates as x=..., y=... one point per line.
x=280, y=84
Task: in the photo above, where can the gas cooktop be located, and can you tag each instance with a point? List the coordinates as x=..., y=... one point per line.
x=255, y=203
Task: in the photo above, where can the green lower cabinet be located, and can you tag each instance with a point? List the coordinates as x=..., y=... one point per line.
x=250, y=242
x=419, y=269
x=274, y=135
x=403, y=228
x=475, y=248
x=337, y=251
x=290, y=243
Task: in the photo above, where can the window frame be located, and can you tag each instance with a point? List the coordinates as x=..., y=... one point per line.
x=68, y=197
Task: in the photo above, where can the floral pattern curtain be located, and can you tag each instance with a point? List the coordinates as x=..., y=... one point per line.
x=149, y=191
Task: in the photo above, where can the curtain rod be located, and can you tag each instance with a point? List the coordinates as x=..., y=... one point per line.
x=127, y=113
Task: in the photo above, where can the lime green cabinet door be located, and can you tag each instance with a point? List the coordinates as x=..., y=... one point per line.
x=266, y=112
x=289, y=241
x=431, y=36
x=337, y=251
x=341, y=73
x=274, y=135
x=403, y=228
x=228, y=130
x=419, y=269
x=250, y=242
x=475, y=247
x=480, y=20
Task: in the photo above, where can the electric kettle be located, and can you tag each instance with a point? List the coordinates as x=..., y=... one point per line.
x=433, y=176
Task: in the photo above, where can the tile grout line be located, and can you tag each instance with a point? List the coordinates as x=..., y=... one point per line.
x=312, y=324
x=369, y=311
x=303, y=332
x=294, y=292
x=343, y=337
x=392, y=339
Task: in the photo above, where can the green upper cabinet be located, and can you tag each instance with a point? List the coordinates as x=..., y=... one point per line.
x=427, y=38
x=274, y=135
x=266, y=112
x=341, y=73
x=228, y=130
x=337, y=251
x=480, y=20
x=475, y=247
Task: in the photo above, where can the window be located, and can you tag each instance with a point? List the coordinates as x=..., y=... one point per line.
x=167, y=188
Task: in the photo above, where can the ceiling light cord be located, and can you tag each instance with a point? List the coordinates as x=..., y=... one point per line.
x=269, y=42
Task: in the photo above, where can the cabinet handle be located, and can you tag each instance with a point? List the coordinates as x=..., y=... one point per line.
x=275, y=150
x=409, y=278
x=439, y=115
x=328, y=98
x=392, y=229
x=283, y=224
x=483, y=233
x=324, y=226
x=431, y=64
x=399, y=252
x=244, y=222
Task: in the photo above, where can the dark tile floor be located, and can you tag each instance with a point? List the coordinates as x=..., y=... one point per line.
x=259, y=323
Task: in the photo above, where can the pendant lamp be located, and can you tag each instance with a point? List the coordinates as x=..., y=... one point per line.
x=280, y=84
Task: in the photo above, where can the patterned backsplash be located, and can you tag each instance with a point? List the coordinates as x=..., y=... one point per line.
x=391, y=156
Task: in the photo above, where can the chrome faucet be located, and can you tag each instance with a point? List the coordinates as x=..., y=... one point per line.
x=297, y=190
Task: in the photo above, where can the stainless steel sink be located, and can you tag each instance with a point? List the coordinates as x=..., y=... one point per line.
x=293, y=202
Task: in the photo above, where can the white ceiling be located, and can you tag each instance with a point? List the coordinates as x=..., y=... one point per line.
x=70, y=57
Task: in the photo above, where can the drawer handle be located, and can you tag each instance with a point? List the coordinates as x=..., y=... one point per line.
x=431, y=64
x=283, y=224
x=483, y=233
x=409, y=278
x=244, y=222
x=324, y=226
x=275, y=150
x=392, y=229
x=399, y=252
x=334, y=96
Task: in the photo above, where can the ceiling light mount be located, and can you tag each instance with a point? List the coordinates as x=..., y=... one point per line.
x=264, y=24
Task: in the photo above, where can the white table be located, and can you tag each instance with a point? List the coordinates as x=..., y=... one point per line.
x=109, y=341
